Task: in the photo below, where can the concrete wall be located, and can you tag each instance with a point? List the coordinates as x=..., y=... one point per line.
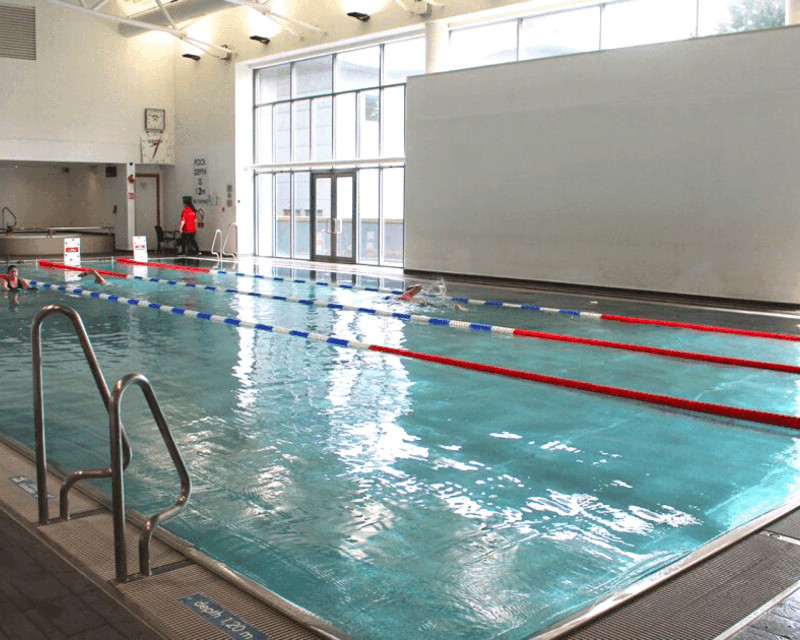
x=670, y=167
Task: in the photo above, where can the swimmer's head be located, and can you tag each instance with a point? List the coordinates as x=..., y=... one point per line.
x=12, y=270
x=414, y=289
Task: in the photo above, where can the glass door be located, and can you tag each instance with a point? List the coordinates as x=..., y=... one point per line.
x=333, y=216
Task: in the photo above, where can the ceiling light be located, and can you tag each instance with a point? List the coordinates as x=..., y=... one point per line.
x=261, y=39
x=191, y=56
x=359, y=16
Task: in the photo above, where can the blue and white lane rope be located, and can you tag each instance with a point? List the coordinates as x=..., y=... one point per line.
x=531, y=307
x=485, y=328
x=352, y=287
x=762, y=417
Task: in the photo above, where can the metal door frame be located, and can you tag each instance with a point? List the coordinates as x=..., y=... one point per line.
x=333, y=175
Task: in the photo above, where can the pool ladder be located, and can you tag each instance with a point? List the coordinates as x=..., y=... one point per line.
x=224, y=243
x=120, y=446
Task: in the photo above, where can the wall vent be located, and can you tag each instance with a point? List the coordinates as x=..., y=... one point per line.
x=17, y=32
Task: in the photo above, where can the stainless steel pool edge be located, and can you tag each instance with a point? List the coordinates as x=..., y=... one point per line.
x=259, y=592
x=620, y=597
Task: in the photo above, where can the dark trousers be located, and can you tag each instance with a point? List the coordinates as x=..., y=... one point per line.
x=187, y=239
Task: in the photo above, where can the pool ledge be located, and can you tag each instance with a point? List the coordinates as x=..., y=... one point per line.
x=189, y=596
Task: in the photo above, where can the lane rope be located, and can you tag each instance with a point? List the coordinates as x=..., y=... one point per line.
x=466, y=326
x=507, y=305
x=751, y=415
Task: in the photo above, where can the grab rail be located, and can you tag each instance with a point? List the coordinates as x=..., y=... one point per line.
x=38, y=410
x=217, y=234
x=225, y=242
x=118, y=483
x=3, y=213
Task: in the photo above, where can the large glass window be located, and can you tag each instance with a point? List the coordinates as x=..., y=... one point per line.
x=347, y=107
x=283, y=215
x=302, y=215
x=402, y=60
x=301, y=129
x=479, y=46
x=273, y=83
x=727, y=16
x=557, y=34
x=358, y=69
x=394, y=121
x=393, y=207
x=312, y=77
x=369, y=215
x=635, y=22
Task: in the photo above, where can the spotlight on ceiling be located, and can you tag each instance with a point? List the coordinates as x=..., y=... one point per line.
x=261, y=39
x=191, y=56
x=359, y=16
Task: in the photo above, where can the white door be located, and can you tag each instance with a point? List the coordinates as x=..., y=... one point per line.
x=147, y=208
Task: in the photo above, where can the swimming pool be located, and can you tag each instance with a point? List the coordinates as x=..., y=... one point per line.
x=403, y=499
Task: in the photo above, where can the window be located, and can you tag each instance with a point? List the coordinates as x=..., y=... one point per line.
x=727, y=16
x=312, y=77
x=560, y=33
x=272, y=84
x=358, y=69
x=402, y=60
x=478, y=46
x=635, y=22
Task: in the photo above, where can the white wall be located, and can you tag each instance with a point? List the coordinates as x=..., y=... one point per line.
x=669, y=167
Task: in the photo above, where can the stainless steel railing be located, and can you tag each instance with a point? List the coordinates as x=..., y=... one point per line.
x=120, y=445
x=118, y=483
x=38, y=410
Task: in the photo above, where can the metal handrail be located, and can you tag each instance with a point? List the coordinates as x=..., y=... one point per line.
x=3, y=213
x=118, y=483
x=217, y=234
x=225, y=241
x=38, y=410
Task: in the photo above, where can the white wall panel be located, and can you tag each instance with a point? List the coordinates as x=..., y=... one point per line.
x=670, y=167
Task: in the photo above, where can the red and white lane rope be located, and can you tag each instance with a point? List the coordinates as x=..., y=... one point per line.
x=752, y=415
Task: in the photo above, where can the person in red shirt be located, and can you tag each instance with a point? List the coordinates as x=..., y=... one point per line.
x=188, y=226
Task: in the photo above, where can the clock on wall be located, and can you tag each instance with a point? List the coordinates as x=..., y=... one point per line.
x=155, y=119
x=157, y=148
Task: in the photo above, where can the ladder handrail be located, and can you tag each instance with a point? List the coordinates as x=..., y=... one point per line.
x=38, y=410
x=217, y=234
x=225, y=241
x=118, y=482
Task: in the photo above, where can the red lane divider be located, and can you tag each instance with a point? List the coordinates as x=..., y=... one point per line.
x=527, y=333
x=55, y=265
x=764, y=417
x=702, y=327
x=162, y=265
x=669, y=353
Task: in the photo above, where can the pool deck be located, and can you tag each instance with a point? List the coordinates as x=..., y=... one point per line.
x=58, y=581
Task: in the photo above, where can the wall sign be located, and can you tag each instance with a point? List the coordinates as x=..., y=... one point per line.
x=200, y=168
x=72, y=252
x=140, y=248
x=222, y=618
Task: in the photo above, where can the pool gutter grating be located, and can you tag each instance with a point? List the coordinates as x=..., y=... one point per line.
x=705, y=601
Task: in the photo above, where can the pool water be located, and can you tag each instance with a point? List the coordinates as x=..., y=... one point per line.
x=397, y=498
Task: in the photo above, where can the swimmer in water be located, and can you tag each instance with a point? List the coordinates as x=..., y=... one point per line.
x=97, y=277
x=14, y=282
x=410, y=292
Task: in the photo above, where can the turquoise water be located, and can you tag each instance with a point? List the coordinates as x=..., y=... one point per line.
x=403, y=499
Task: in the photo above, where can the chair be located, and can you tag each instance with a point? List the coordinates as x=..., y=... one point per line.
x=166, y=237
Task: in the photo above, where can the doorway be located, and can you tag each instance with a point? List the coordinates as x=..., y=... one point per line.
x=148, y=206
x=333, y=216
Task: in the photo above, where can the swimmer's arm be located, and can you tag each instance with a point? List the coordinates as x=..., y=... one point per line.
x=25, y=283
x=3, y=285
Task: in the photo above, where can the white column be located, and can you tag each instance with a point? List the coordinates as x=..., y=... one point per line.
x=130, y=194
x=792, y=11
x=437, y=42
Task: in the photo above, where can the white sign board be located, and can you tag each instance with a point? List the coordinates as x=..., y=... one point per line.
x=140, y=248
x=72, y=252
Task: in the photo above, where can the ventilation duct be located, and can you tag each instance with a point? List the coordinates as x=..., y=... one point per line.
x=17, y=32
